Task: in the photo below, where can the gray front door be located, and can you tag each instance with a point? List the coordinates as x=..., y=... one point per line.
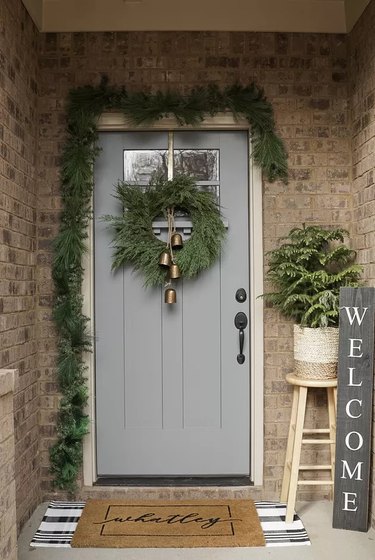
x=172, y=400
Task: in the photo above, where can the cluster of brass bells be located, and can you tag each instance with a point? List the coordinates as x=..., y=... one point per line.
x=166, y=260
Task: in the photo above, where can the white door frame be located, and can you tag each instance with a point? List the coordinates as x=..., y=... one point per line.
x=222, y=121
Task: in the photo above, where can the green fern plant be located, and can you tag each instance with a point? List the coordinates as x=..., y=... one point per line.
x=307, y=271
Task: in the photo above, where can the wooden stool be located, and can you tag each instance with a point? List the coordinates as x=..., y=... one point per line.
x=295, y=439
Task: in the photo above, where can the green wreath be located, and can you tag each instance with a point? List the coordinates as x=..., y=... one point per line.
x=135, y=243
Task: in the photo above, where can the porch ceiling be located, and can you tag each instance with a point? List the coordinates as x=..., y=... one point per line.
x=322, y=16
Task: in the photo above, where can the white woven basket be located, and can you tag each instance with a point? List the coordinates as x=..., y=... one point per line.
x=316, y=352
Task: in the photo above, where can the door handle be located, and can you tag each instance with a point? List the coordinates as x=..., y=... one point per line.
x=240, y=322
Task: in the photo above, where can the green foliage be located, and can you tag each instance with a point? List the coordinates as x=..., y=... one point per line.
x=66, y=455
x=85, y=105
x=69, y=246
x=134, y=241
x=247, y=101
x=307, y=270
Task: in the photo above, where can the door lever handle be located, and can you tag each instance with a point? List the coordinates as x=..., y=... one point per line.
x=240, y=322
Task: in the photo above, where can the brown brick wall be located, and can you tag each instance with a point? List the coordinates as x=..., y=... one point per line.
x=8, y=529
x=362, y=95
x=304, y=75
x=18, y=137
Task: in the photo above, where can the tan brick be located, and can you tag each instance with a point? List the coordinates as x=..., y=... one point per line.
x=7, y=500
x=8, y=546
x=7, y=404
x=6, y=450
x=6, y=427
x=8, y=522
x=18, y=218
x=6, y=382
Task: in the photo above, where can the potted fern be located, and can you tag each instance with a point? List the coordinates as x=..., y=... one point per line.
x=307, y=271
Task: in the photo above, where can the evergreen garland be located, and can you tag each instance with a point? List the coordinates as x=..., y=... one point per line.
x=134, y=241
x=85, y=105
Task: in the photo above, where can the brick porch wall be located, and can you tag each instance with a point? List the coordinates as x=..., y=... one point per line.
x=18, y=139
x=362, y=94
x=305, y=77
x=8, y=529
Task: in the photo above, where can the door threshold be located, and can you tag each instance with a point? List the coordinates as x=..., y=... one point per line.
x=179, y=481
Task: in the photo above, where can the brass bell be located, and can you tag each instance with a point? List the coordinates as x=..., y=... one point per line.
x=174, y=271
x=170, y=295
x=165, y=259
x=176, y=241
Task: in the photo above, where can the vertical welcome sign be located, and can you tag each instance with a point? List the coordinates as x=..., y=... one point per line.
x=354, y=409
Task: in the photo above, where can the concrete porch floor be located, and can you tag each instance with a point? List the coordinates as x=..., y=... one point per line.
x=326, y=544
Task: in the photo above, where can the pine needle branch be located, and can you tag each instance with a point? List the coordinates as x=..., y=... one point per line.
x=307, y=271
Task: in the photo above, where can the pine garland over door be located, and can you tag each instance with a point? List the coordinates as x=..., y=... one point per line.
x=85, y=105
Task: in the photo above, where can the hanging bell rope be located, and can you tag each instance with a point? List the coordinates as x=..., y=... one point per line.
x=174, y=271
x=166, y=258
x=175, y=239
x=171, y=229
x=175, y=242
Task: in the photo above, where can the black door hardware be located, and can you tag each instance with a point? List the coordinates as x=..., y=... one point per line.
x=240, y=322
x=241, y=295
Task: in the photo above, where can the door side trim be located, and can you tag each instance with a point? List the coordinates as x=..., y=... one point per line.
x=256, y=323
x=222, y=121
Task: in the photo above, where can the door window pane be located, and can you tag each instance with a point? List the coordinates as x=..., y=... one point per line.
x=143, y=166
x=213, y=189
x=203, y=165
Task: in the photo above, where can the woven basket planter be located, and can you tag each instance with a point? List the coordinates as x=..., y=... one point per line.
x=316, y=352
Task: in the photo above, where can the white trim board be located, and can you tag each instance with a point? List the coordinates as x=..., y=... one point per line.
x=223, y=121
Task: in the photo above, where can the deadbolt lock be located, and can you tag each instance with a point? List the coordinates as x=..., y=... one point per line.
x=241, y=295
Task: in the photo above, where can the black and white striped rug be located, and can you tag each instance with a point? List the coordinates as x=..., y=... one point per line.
x=61, y=518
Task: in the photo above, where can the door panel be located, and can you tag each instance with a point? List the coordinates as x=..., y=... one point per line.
x=202, y=353
x=171, y=397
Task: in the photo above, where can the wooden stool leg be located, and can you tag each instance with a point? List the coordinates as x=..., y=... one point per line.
x=332, y=428
x=300, y=420
x=289, y=448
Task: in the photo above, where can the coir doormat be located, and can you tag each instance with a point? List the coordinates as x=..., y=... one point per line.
x=60, y=520
x=157, y=524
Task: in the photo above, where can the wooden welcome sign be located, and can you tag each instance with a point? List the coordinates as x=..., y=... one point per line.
x=354, y=409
